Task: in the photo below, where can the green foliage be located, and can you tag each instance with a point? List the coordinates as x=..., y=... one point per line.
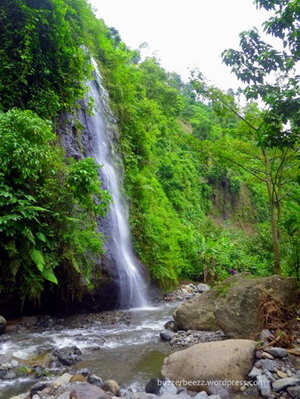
x=42, y=66
x=47, y=208
x=195, y=210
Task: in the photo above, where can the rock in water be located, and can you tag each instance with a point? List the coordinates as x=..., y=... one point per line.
x=158, y=386
x=166, y=335
x=233, y=305
x=68, y=356
x=111, y=386
x=199, y=366
x=2, y=324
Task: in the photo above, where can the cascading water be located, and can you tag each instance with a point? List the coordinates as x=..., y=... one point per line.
x=132, y=286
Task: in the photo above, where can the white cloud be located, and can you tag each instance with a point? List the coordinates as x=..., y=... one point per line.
x=184, y=34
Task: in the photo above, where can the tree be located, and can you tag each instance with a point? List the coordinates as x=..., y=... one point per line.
x=269, y=149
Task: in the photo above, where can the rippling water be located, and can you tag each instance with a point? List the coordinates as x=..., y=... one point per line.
x=131, y=353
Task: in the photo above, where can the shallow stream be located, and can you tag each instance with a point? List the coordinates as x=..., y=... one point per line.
x=130, y=351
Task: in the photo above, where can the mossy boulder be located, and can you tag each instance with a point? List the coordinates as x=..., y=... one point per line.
x=233, y=305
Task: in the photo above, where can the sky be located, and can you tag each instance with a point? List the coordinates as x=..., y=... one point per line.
x=184, y=34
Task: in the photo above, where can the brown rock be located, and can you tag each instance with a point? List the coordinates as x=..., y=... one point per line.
x=85, y=390
x=202, y=364
x=111, y=386
x=78, y=378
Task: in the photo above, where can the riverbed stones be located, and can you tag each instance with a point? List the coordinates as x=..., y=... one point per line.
x=2, y=325
x=210, y=361
x=233, y=305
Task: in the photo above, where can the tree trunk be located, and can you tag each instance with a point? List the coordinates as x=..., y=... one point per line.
x=275, y=229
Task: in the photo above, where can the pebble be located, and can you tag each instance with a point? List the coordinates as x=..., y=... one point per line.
x=281, y=374
x=268, y=364
x=166, y=335
x=264, y=386
x=277, y=352
x=14, y=363
x=266, y=355
x=255, y=372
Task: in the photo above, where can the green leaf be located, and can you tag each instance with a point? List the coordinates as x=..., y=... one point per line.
x=50, y=276
x=38, y=258
x=42, y=237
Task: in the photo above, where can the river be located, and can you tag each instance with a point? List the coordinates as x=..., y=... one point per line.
x=129, y=351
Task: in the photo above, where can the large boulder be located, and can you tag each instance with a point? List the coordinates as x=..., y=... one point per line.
x=197, y=313
x=210, y=366
x=2, y=324
x=233, y=305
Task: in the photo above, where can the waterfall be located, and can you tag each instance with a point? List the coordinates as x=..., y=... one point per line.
x=131, y=284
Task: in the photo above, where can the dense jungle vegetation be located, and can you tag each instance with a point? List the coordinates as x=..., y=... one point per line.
x=213, y=186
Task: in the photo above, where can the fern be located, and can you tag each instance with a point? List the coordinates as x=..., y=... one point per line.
x=38, y=258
